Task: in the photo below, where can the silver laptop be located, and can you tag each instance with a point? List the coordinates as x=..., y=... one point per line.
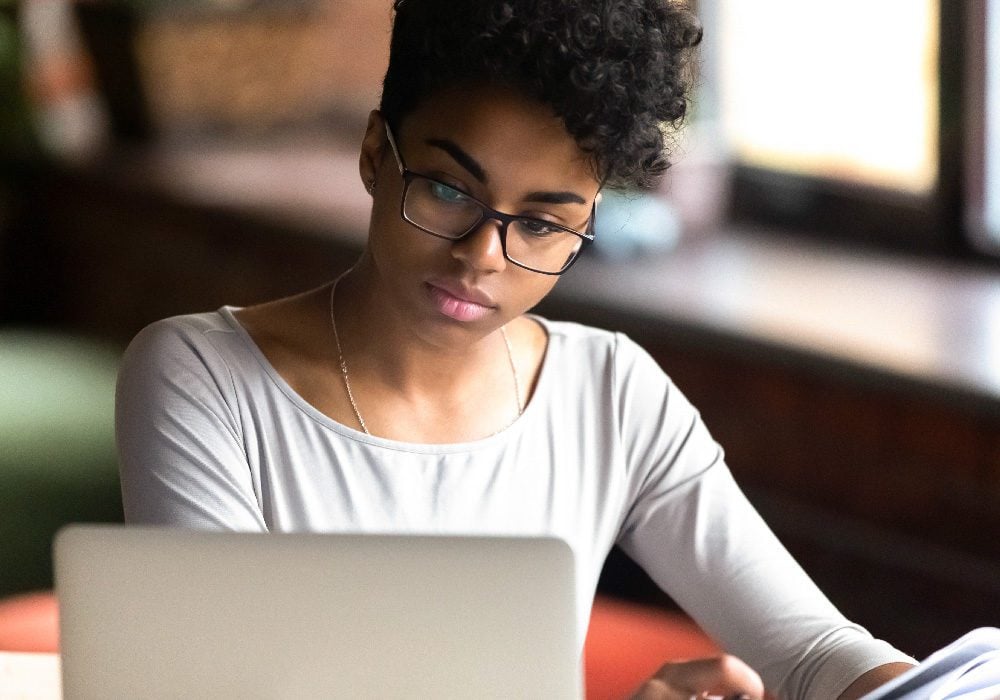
x=166, y=613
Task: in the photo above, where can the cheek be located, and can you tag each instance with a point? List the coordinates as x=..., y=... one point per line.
x=534, y=287
x=386, y=226
x=397, y=244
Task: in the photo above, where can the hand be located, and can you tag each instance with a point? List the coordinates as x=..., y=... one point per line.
x=724, y=676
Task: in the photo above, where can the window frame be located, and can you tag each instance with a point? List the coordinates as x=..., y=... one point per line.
x=858, y=214
x=976, y=127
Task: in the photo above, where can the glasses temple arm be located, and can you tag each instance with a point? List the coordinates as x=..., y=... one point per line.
x=395, y=149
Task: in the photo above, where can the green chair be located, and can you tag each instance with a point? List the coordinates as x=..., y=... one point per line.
x=57, y=455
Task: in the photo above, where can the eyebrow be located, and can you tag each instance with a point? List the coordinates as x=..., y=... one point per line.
x=461, y=157
x=555, y=198
x=477, y=171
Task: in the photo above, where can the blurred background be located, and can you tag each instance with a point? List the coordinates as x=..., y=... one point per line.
x=819, y=272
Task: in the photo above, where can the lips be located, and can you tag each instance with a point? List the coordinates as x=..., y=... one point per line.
x=463, y=292
x=460, y=302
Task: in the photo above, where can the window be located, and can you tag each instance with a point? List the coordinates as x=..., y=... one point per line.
x=844, y=90
x=983, y=213
x=852, y=120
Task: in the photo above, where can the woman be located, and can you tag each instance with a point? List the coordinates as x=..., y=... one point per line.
x=415, y=393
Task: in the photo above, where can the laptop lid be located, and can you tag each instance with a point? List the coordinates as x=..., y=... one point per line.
x=168, y=613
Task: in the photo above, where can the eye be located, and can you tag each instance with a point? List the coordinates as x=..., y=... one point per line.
x=537, y=227
x=447, y=194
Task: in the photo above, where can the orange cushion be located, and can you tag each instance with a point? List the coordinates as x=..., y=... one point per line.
x=29, y=622
x=627, y=643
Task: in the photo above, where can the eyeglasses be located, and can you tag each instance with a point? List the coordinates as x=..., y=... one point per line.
x=446, y=212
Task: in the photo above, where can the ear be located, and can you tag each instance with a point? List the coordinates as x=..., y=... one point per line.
x=372, y=150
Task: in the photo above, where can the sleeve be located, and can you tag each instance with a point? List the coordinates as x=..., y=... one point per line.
x=182, y=460
x=691, y=528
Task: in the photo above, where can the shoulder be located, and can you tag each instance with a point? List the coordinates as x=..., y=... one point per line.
x=606, y=367
x=577, y=339
x=184, y=370
x=595, y=347
x=191, y=332
x=178, y=349
x=621, y=370
x=189, y=326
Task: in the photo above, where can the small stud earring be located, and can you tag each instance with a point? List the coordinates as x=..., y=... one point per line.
x=370, y=187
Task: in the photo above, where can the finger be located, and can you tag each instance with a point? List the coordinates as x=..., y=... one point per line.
x=657, y=689
x=724, y=676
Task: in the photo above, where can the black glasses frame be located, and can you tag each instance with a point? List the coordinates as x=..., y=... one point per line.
x=487, y=213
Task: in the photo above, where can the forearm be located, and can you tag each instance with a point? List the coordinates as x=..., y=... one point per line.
x=878, y=676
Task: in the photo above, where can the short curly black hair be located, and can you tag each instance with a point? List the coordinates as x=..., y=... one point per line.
x=617, y=72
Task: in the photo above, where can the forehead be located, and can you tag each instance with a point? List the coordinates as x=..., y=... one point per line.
x=505, y=132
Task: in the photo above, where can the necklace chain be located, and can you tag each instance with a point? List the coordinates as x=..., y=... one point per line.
x=347, y=380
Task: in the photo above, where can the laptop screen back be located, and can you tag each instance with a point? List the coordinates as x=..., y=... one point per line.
x=166, y=613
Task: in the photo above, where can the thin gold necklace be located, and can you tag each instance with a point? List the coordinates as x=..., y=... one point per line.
x=347, y=381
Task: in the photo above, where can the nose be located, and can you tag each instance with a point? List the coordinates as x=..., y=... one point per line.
x=481, y=249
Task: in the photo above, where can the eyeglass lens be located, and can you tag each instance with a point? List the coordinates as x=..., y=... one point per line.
x=447, y=212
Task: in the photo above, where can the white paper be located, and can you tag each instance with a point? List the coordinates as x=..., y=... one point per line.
x=966, y=669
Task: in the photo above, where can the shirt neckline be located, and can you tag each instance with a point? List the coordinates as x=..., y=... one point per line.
x=355, y=435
